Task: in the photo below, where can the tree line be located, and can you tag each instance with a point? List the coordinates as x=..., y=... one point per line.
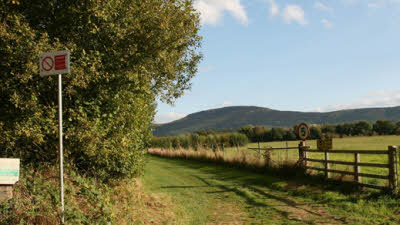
x=202, y=139
x=228, y=138
x=359, y=128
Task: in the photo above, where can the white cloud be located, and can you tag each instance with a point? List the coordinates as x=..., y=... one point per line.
x=323, y=7
x=384, y=98
x=294, y=13
x=168, y=117
x=327, y=24
x=274, y=9
x=211, y=11
x=373, y=4
x=225, y=103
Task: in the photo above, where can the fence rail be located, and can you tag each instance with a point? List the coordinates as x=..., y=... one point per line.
x=373, y=152
x=356, y=163
x=356, y=173
x=271, y=149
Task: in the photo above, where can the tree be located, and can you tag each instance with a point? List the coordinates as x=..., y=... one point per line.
x=258, y=133
x=290, y=135
x=277, y=133
x=328, y=129
x=384, y=127
x=124, y=53
x=315, y=132
x=362, y=128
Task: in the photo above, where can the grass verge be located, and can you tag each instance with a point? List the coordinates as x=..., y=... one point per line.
x=87, y=201
x=203, y=190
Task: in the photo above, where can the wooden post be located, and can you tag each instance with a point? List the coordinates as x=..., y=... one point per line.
x=302, y=154
x=259, y=150
x=305, y=158
x=268, y=156
x=357, y=169
x=392, y=168
x=6, y=192
x=327, y=165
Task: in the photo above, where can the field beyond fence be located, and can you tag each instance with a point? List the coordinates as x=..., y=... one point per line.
x=367, y=161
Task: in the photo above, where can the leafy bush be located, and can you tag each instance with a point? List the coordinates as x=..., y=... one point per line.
x=124, y=55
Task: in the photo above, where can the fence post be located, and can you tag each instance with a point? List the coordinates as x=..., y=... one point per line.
x=357, y=168
x=392, y=168
x=259, y=150
x=268, y=157
x=302, y=154
x=327, y=165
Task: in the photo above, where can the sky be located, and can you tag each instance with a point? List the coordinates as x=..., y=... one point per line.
x=296, y=55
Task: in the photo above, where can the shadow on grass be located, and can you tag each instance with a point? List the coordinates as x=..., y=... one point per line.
x=272, y=176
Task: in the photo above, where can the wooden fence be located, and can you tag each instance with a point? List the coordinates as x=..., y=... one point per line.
x=304, y=160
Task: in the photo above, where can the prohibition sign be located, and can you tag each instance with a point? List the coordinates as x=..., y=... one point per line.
x=47, y=64
x=303, y=131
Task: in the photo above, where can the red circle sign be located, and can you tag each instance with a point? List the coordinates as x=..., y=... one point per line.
x=47, y=64
x=303, y=131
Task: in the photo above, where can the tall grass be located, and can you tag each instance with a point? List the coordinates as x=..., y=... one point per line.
x=242, y=159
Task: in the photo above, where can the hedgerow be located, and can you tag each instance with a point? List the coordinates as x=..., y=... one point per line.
x=124, y=55
x=196, y=141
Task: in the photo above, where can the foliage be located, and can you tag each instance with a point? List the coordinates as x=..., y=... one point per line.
x=87, y=200
x=196, y=141
x=315, y=132
x=360, y=128
x=37, y=199
x=384, y=127
x=124, y=55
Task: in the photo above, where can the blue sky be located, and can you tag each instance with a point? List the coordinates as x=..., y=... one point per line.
x=298, y=55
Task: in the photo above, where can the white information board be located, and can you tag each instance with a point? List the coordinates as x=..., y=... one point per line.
x=9, y=171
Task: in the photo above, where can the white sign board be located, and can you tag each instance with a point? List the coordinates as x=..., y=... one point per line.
x=9, y=171
x=53, y=63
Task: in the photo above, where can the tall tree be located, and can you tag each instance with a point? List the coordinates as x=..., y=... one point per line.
x=384, y=127
x=124, y=54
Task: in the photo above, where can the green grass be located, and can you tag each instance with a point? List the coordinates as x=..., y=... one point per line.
x=350, y=143
x=206, y=193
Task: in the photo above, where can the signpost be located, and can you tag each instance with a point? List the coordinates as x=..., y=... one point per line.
x=53, y=63
x=9, y=175
x=57, y=63
x=303, y=131
x=324, y=144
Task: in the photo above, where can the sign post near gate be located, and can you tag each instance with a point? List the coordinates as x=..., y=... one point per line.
x=303, y=131
x=57, y=63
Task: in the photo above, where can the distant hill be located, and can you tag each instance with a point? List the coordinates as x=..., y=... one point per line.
x=238, y=116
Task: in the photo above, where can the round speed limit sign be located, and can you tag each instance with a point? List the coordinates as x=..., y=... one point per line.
x=303, y=131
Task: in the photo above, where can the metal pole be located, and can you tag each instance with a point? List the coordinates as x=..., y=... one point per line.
x=60, y=136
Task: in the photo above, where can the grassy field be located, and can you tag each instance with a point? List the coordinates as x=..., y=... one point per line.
x=206, y=193
x=351, y=143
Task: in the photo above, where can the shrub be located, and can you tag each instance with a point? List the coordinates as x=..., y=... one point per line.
x=124, y=55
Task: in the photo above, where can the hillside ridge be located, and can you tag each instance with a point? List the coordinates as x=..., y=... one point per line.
x=233, y=117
